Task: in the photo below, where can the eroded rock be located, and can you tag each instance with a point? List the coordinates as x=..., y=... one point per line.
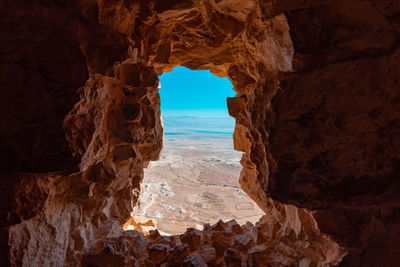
x=316, y=118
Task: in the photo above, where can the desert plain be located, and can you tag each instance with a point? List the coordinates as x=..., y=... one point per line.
x=195, y=182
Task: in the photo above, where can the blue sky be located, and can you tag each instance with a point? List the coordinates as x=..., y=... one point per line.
x=184, y=91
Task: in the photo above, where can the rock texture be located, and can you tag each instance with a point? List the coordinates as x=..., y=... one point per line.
x=114, y=130
x=317, y=117
x=222, y=244
x=335, y=138
x=41, y=67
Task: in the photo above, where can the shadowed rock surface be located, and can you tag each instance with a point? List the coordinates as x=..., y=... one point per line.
x=317, y=117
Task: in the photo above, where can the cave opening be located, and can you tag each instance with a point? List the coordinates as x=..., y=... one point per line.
x=196, y=179
x=316, y=119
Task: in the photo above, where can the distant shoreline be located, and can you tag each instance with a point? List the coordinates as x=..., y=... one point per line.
x=197, y=131
x=200, y=113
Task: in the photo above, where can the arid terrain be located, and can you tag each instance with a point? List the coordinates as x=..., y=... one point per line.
x=195, y=182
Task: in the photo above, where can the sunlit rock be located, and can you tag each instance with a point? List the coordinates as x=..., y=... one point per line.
x=317, y=120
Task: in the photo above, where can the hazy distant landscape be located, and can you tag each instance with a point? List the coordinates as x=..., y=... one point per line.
x=195, y=180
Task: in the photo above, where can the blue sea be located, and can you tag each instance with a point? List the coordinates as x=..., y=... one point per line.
x=198, y=124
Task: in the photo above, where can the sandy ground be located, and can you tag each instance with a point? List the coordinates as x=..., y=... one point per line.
x=195, y=182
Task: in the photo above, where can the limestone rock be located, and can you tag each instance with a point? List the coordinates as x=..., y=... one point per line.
x=41, y=68
x=317, y=117
x=218, y=244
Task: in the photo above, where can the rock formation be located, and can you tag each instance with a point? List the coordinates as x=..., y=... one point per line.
x=317, y=116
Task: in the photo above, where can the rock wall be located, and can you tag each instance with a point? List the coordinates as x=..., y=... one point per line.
x=335, y=138
x=114, y=129
x=317, y=120
x=41, y=68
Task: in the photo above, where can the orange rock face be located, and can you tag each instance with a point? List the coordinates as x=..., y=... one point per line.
x=317, y=118
x=223, y=243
